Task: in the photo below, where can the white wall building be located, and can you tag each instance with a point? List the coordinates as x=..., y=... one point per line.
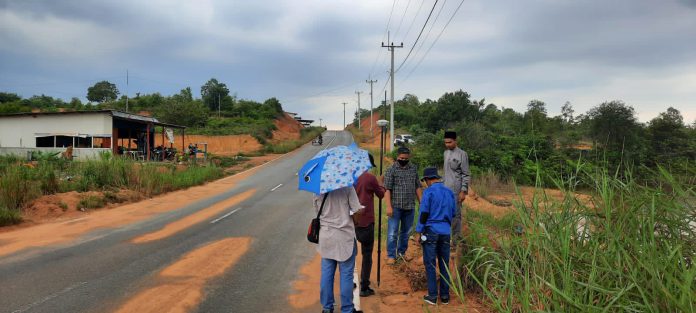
x=88, y=132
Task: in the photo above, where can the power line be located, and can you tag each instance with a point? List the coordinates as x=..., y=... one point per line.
x=435, y=41
x=430, y=29
x=386, y=29
x=294, y=99
x=419, y=35
x=396, y=33
x=408, y=31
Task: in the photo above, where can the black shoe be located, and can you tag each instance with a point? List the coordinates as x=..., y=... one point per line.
x=326, y=311
x=430, y=300
x=367, y=292
x=444, y=300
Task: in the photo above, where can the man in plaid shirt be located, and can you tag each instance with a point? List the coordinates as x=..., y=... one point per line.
x=403, y=187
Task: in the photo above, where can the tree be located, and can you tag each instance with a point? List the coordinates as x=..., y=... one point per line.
x=102, y=91
x=213, y=93
x=567, y=113
x=185, y=95
x=6, y=97
x=669, y=135
x=451, y=109
x=76, y=104
x=615, y=128
x=535, y=117
x=274, y=105
x=190, y=113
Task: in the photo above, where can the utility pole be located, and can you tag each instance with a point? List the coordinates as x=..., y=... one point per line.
x=359, y=117
x=370, y=81
x=218, y=104
x=344, y=115
x=391, y=47
x=126, y=90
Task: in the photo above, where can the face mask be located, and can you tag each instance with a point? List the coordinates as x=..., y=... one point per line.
x=402, y=162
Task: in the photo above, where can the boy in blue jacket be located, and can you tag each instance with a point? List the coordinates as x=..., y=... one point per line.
x=434, y=230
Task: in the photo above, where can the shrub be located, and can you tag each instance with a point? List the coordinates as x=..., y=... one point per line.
x=91, y=202
x=9, y=217
x=17, y=188
x=489, y=182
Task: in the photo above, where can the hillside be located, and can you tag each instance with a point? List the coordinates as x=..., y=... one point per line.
x=287, y=128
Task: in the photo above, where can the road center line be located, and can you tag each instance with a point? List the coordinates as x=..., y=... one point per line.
x=224, y=216
x=276, y=187
x=49, y=297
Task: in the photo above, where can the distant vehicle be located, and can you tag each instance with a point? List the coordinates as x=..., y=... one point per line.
x=403, y=139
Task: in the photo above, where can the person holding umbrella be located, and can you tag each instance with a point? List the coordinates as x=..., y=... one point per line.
x=337, y=245
x=330, y=175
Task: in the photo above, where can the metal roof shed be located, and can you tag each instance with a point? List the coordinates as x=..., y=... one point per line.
x=88, y=132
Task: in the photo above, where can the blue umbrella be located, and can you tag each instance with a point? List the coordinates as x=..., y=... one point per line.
x=333, y=168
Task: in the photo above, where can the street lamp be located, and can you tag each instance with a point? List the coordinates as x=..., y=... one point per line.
x=383, y=125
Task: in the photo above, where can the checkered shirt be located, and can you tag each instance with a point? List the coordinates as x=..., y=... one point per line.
x=402, y=182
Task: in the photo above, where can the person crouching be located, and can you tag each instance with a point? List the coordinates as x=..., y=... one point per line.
x=433, y=230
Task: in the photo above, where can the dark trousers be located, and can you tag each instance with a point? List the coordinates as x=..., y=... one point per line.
x=366, y=237
x=436, y=251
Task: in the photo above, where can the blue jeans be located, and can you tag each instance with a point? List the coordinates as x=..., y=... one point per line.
x=436, y=247
x=328, y=269
x=400, y=222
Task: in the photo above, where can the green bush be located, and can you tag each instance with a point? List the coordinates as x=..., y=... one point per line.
x=9, y=217
x=92, y=202
x=17, y=188
x=227, y=161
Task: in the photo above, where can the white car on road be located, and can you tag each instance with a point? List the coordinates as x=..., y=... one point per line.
x=403, y=139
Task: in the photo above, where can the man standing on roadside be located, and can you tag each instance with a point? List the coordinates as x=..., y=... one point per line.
x=436, y=212
x=403, y=187
x=456, y=179
x=337, y=246
x=367, y=188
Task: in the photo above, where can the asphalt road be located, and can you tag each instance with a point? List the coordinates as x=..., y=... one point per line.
x=103, y=269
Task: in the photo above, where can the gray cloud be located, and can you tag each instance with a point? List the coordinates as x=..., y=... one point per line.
x=304, y=51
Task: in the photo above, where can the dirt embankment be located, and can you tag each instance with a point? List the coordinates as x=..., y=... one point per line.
x=221, y=145
x=287, y=129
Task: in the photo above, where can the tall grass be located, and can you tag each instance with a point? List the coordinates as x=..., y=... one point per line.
x=21, y=183
x=16, y=188
x=631, y=249
x=153, y=180
x=488, y=182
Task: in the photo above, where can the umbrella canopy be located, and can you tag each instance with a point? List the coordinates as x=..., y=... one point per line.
x=333, y=168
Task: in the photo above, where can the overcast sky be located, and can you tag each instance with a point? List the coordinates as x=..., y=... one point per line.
x=314, y=55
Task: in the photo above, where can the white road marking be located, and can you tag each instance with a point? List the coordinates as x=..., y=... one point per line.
x=330, y=142
x=47, y=298
x=74, y=220
x=224, y=216
x=276, y=187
